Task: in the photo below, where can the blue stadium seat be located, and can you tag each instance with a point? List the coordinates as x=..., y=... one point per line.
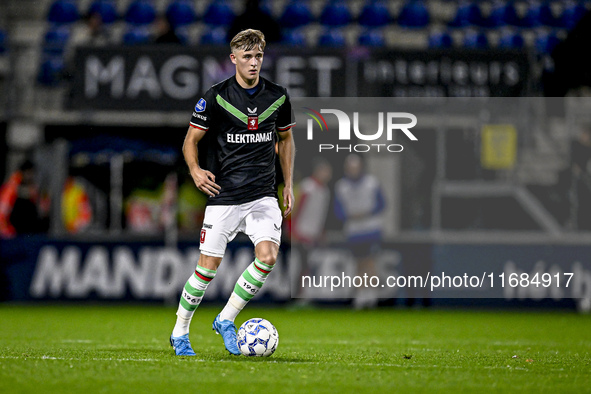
x=293, y=38
x=296, y=14
x=106, y=9
x=571, y=15
x=216, y=36
x=372, y=38
x=55, y=40
x=375, y=13
x=414, y=14
x=545, y=42
x=183, y=33
x=468, y=13
x=538, y=14
x=336, y=13
x=140, y=12
x=503, y=13
x=137, y=35
x=181, y=13
x=440, y=39
x=510, y=39
x=51, y=71
x=333, y=38
x=474, y=39
x=63, y=12
x=3, y=42
x=219, y=13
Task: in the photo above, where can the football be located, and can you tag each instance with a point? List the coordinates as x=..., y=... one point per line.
x=257, y=337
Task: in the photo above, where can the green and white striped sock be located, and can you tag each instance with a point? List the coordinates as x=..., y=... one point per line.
x=247, y=286
x=191, y=298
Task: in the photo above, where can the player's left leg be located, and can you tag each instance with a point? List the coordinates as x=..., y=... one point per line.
x=252, y=279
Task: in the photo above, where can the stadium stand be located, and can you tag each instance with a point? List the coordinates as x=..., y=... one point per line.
x=536, y=25
x=136, y=35
x=440, y=39
x=502, y=14
x=510, y=39
x=219, y=13
x=107, y=9
x=414, y=14
x=63, y=12
x=372, y=38
x=375, y=13
x=468, y=13
x=475, y=39
x=296, y=14
x=571, y=14
x=538, y=14
x=51, y=71
x=294, y=38
x=336, y=13
x=215, y=36
x=181, y=13
x=332, y=38
x=55, y=40
x=140, y=12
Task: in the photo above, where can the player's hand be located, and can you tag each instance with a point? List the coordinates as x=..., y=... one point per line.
x=287, y=201
x=205, y=181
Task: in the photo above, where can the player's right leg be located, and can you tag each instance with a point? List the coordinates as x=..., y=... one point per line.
x=219, y=227
x=190, y=300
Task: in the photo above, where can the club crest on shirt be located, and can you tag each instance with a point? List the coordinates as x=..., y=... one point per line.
x=253, y=123
x=200, y=106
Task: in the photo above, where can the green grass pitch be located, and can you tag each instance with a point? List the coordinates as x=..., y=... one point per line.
x=88, y=349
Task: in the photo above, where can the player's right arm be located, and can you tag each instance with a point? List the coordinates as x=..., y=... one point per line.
x=204, y=180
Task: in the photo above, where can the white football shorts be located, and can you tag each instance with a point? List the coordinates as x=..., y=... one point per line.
x=259, y=219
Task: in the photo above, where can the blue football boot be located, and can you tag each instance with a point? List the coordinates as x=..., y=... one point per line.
x=228, y=331
x=182, y=346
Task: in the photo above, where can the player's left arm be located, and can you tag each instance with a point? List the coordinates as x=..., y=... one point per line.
x=286, y=151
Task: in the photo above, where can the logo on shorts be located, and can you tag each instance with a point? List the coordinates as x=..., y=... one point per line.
x=202, y=236
x=209, y=226
x=277, y=228
x=200, y=106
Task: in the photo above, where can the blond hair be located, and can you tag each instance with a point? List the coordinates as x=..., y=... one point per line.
x=248, y=39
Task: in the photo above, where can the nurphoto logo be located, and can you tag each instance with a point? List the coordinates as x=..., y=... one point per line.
x=392, y=121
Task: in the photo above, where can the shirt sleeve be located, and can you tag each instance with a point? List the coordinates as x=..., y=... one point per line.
x=202, y=112
x=285, y=118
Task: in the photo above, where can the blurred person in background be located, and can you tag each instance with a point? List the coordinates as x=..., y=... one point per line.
x=359, y=204
x=22, y=209
x=311, y=211
x=165, y=33
x=92, y=32
x=76, y=206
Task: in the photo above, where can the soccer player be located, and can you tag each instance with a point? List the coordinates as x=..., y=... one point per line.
x=230, y=151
